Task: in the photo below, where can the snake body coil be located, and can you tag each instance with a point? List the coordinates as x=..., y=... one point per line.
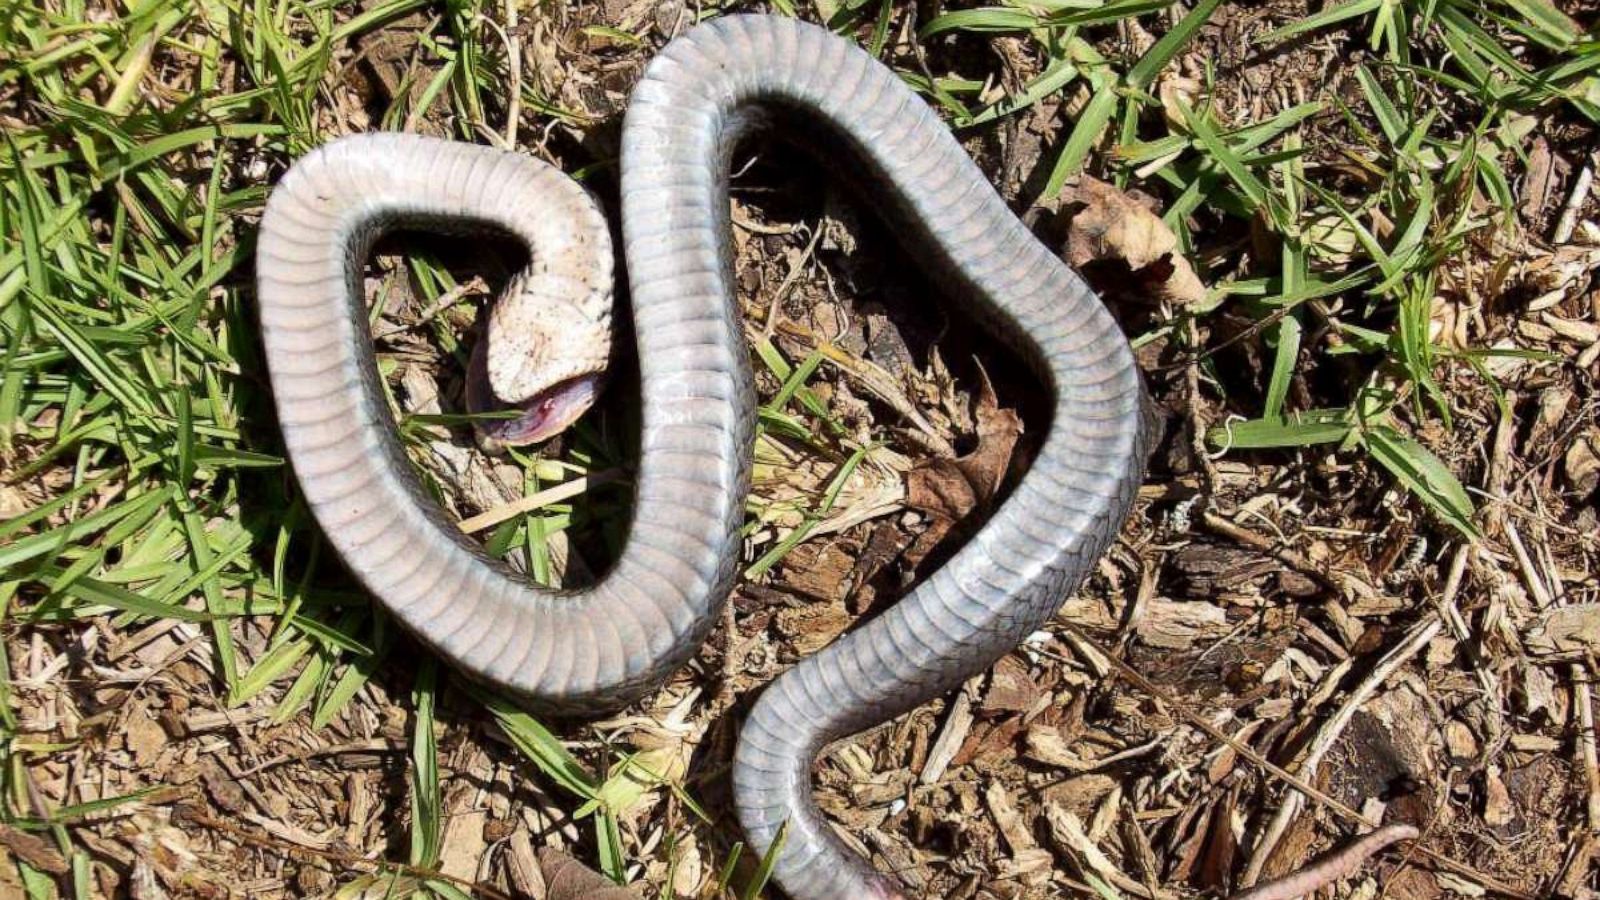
x=607, y=644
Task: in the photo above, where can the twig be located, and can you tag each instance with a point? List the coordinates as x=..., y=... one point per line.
x=1582, y=699
x=1337, y=582
x=789, y=281
x=443, y=302
x=755, y=227
x=1197, y=429
x=513, y=63
x=1569, y=212
x=370, y=745
x=1421, y=633
x=1339, y=864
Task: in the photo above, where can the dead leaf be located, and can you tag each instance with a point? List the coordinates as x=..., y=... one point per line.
x=1567, y=629
x=947, y=490
x=1178, y=94
x=1111, y=226
x=568, y=879
x=1563, y=272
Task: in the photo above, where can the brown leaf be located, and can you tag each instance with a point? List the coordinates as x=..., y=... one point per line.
x=947, y=490
x=940, y=489
x=998, y=431
x=1111, y=226
x=569, y=879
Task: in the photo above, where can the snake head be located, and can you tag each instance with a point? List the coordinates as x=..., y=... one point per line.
x=543, y=354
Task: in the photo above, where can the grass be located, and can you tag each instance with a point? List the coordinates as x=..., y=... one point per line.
x=133, y=400
x=1424, y=179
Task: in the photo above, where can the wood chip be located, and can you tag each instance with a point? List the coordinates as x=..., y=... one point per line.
x=1011, y=689
x=1565, y=629
x=568, y=879
x=33, y=850
x=1176, y=625
x=956, y=725
x=1582, y=463
x=522, y=866
x=143, y=736
x=1012, y=827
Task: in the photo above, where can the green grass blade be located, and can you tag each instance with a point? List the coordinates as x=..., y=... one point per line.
x=1423, y=474
x=1305, y=429
x=1144, y=72
x=427, y=829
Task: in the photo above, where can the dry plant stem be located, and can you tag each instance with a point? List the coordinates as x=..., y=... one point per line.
x=514, y=64
x=1341, y=864
x=1569, y=213
x=1421, y=633
x=1196, y=721
x=1197, y=425
x=775, y=305
x=446, y=300
x=1332, y=581
x=563, y=491
x=1549, y=588
x=1584, y=701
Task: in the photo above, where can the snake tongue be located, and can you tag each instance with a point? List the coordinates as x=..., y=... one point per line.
x=539, y=418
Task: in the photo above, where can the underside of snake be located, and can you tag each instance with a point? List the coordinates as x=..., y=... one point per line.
x=584, y=651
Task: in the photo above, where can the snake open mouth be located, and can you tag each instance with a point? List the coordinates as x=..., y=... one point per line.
x=540, y=417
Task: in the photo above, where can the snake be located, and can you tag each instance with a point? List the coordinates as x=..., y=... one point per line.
x=546, y=346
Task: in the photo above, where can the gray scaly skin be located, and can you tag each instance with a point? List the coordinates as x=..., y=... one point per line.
x=583, y=651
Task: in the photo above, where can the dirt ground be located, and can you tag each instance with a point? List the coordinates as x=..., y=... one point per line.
x=1265, y=615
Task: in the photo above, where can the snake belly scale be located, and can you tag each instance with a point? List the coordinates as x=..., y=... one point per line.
x=584, y=651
